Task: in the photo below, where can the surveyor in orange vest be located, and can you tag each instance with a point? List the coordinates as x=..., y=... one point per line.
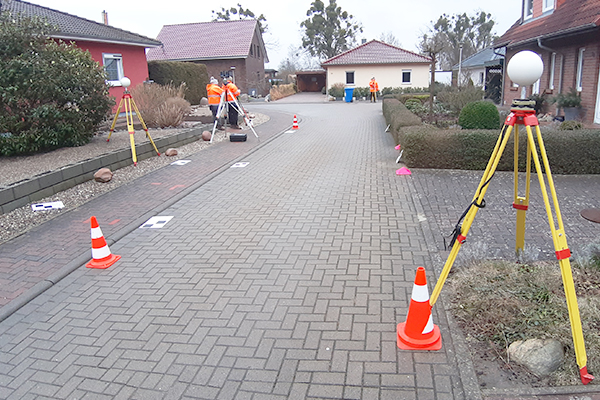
x=231, y=93
x=214, y=91
x=374, y=87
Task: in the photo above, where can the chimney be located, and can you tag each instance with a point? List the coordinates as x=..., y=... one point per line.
x=364, y=41
x=104, y=17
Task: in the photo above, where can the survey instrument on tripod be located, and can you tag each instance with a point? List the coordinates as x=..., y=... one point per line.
x=525, y=68
x=129, y=106
x=235, y=104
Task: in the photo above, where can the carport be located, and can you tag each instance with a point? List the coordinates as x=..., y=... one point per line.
x=311, y=81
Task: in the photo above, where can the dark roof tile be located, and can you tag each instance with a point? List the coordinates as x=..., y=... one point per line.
x=71, y=27
x=571, y=16
x=376, y=52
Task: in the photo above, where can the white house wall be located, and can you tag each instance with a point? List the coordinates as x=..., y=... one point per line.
x=385, y=75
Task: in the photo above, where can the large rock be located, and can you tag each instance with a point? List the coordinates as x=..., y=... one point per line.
x=540, y=356
x=103, y=175
x=204, y=101
x=206, y=136
x=171, y=152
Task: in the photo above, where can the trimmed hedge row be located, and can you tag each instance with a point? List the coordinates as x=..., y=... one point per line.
x=194, y=75
x=425, y=146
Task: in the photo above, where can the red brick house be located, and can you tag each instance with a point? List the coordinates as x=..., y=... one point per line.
x=122, y=53
x=227, y=48
x=566, y=34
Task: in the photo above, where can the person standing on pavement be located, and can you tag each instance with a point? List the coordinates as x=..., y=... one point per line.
x=213, y=92
x=231, y=93
x=374, y=88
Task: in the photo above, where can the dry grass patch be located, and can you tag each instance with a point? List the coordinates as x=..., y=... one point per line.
x=281, y=91
x=496, y=303
x=161, y=106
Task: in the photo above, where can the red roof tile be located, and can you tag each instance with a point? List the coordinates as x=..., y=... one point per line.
x=205, y=40
x=376, y=52
x=571, y=16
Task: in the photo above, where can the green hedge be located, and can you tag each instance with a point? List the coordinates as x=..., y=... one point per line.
x=425, y=146
x=398, y=116
x=175, y=72
x=569, y=152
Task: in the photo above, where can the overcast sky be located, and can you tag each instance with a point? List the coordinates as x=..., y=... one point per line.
x=406, y=20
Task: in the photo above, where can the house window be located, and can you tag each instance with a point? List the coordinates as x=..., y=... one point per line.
x=548, y=5
x=536, y=87
x=481, y=78
x=528, y=9
x=552, y=66
x=252, y=50
x=580, y=69
x=349, y=77
x=406, y=76
x=257, y=51
x=113, y=65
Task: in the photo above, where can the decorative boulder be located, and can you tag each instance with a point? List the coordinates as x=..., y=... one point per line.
x=204, y=101
x=103, y=175
x=206, y=136
x=171, y=152
x=540, y=356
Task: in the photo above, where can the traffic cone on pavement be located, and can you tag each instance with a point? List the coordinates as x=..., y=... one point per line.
x=418, y=331
x=295, y=124
x=101, y=255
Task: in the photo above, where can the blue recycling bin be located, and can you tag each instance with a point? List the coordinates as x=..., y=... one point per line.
x=349, y=93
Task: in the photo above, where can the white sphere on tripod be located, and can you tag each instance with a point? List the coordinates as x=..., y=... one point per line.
x=125, y=82
x=525, y=68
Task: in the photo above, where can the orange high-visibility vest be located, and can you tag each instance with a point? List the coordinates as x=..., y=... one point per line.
x=214, y=94
x=232, y=92
x=374, y=86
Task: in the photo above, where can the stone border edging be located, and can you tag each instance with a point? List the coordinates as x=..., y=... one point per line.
x=21, y=193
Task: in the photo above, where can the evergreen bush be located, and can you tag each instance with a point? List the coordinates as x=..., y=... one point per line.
x=479, y=115
x=52, y=94
x=175, y=73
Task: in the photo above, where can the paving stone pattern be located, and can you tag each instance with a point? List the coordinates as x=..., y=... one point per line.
x=284, y=279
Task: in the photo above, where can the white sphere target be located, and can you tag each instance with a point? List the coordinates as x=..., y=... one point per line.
x=125, y=82
x=525, y=68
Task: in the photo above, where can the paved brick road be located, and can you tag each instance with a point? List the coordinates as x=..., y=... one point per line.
x=282, y=279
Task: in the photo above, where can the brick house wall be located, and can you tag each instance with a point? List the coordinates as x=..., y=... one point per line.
x=569, y=50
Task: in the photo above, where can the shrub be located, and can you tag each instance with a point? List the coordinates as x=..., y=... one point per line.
x=479, y=115
x=175, y=73
x=413, y=104
x=161, y=106
x=336, y=90
x=397, y=116
x=570, y=125
x=281, y=91
x=541, y=103
x=456, y=98
x=52, y=94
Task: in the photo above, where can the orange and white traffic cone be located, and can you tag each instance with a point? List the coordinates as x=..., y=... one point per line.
x=101, y=255
x=419, y=332
x=295, y=124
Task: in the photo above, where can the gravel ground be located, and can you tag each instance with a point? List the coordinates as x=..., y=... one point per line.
x=14, y=169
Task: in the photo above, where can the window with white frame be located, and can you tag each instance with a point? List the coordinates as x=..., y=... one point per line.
x=528, y=9
x=580, y=70
x=481, y=77
x=406, y=76
x=349, y=77
x=552, y=66
x=113, y=65
x=536, y=87
x=548, y=5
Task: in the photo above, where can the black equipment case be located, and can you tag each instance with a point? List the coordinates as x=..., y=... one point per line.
x=237, y=137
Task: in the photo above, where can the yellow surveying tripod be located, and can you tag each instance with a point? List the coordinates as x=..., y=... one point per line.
x=128, y=102
x=523, y=113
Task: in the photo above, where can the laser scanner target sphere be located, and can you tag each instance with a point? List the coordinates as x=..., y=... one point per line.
x=125, y=82
x=525, y=68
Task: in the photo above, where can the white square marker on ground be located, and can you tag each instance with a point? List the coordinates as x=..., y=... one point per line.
x=181, y=162
x=156, y=222
x=239, y=165
x=290, y=131
x=47, y=206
